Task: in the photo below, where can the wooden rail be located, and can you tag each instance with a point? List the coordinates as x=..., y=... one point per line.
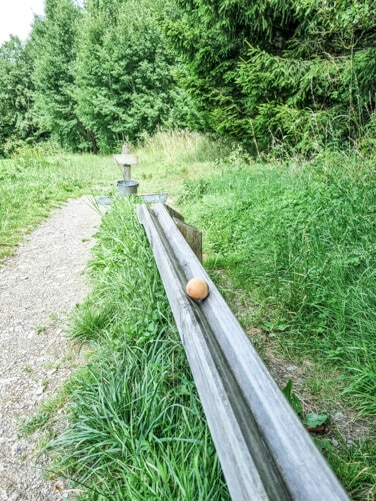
x=264, y=450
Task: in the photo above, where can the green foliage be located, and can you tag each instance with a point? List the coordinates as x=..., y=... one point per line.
x=124, y=84
x=355, y=463
x=311, y=420
x=137, y=430
x=261, y=223
x=40, y=177
x=181, y=147
x=16, y=95
x=292, y=397
x=361, y=377
x=291, y=76
x=192, y=189
x=298, y=238
x=272, y=73
x=314, y=420
x=301, y=239
x=53, y=42
x=34, y=181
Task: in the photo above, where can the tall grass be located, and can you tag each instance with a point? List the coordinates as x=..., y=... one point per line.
x=168, y=158
x=182, y=147
x=35, y=180
x=302, y=238
x=39, y=178
x=137, y=428
x=299, y=238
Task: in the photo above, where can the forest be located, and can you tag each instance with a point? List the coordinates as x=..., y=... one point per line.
x=271, y=75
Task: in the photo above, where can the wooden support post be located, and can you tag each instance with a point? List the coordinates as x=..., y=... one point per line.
x=264, y=450
x=127, y=172
x=126, y=159
x=192, y=236
x=174, y=213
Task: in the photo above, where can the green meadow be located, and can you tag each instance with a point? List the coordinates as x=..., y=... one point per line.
x=291, y=246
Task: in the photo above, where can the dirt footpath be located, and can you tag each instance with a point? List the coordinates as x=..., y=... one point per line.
x=39, y=286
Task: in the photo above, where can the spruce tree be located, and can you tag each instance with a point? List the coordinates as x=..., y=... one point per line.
x=54, y=40
x=123, y=72
x=274, y=72
x=16, y=95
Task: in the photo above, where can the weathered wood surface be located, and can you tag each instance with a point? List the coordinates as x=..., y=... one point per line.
x=126, y=159
x=192, y=236
x=174, y=213
x=264, y=450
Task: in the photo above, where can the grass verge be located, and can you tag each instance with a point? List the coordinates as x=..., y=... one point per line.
x=300, y=241
x=137, y=428
x=40, y=178
x=35, y=180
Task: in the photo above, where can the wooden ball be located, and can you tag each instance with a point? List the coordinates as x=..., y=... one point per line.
x=197, y=289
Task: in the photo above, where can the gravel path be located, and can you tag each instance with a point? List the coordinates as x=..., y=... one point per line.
x=39, y=286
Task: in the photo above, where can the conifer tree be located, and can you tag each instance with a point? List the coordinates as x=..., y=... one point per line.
x=54, y=40
x=272, y=72
x=123, y=72
x=16, y=95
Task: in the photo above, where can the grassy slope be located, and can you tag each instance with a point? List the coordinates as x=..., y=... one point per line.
x=300, y=241
x=36, y=180
x=296, y=239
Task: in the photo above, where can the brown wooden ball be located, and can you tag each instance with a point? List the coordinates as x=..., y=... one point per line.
x=197, y=289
